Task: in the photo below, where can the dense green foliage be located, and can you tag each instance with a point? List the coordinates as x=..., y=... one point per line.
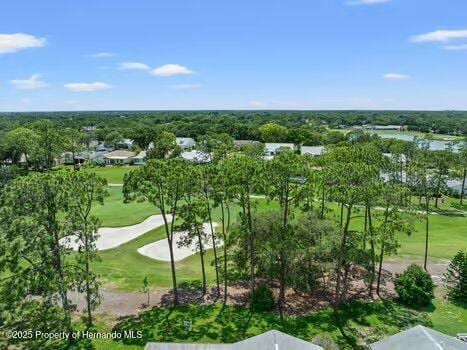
x=456, y=278
x=262, y=298
x=414, y=286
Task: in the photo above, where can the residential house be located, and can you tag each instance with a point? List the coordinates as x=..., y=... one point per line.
x=140, y=158
x=415, y=338
x=419, y=337
x=118, y=157
x=314, y=151
x=273, y=148
x=196, y=156
x=186, y=143
x=241, y=143
x=272, y=340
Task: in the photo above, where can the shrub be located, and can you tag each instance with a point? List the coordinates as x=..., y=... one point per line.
x=414, y=286
x=455, y=278
x=326, y=342
x=262, y=299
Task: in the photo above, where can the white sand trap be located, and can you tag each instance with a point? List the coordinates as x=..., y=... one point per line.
x=111, y=237
x=159, y=250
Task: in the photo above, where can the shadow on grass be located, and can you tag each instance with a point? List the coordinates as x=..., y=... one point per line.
x=357, y=324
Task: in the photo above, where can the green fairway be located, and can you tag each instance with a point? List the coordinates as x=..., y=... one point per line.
x=124, y=268
x=447, y=235
x=362, y=322
x=116, y=213
x=113, y=174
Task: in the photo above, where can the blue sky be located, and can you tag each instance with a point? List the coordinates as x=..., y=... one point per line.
x=213, y=54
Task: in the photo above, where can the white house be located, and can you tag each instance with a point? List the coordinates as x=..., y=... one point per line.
x=140, y=158
x=314, y=151
x=118, y=157
x=273, y=148
x=186, y=142
x=196, y=156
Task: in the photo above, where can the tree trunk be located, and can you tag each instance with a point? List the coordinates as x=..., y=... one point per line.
x=224, y=237
x=373, y=255
x=214, y=248
x=426, y=242
x=172, y=259
x=341, y=258
x=323, y=195
x=463, y=185
x=342, y=214
x=201, y=255
x=252, y=245
x=380, y=268
x=282, y=284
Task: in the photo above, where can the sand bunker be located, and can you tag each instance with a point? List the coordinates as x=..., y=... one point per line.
x=111, y=237
x=159, y=250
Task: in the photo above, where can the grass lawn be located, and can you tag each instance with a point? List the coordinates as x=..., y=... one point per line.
x=447, y=235
x=115, y=212
x=113, y=174
x=362, y=323
x=124, y=268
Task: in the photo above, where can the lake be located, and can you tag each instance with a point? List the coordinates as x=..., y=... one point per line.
x=435, y=145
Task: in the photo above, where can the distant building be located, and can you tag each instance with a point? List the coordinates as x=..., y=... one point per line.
x=272, y=148
x=272, y=340
x=196, y=156
x=89, y=128
x=186, y=142
x=388, y=127
x=314, y=151
x=241, y=143
x=456, y=186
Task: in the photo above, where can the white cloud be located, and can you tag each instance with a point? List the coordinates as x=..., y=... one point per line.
x=171, y=69
x=10, y=43
x=366, y=2
x=256, y=104
x=103, y=55
x=32, y=83
x=77, y=87
x=134, y=66
x=185, y=86
x=396, y=76
x=442, y=36
x=459, y=47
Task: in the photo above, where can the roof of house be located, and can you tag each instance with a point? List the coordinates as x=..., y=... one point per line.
x=313, y=150
x=419, y=337
x=275, y=145
x=140, y=155
x=196, y=156
x=272, y=340
x=119, y=154
x=186, y=141
x=240, y=143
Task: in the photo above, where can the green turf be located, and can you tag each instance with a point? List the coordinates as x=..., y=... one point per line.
x=361, y=322
x=447, y=235
x=124, y=268
x=113, y=174
x=115, y=212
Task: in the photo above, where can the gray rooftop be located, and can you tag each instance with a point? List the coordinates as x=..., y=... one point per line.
x=419, y=337
x=272, y=340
